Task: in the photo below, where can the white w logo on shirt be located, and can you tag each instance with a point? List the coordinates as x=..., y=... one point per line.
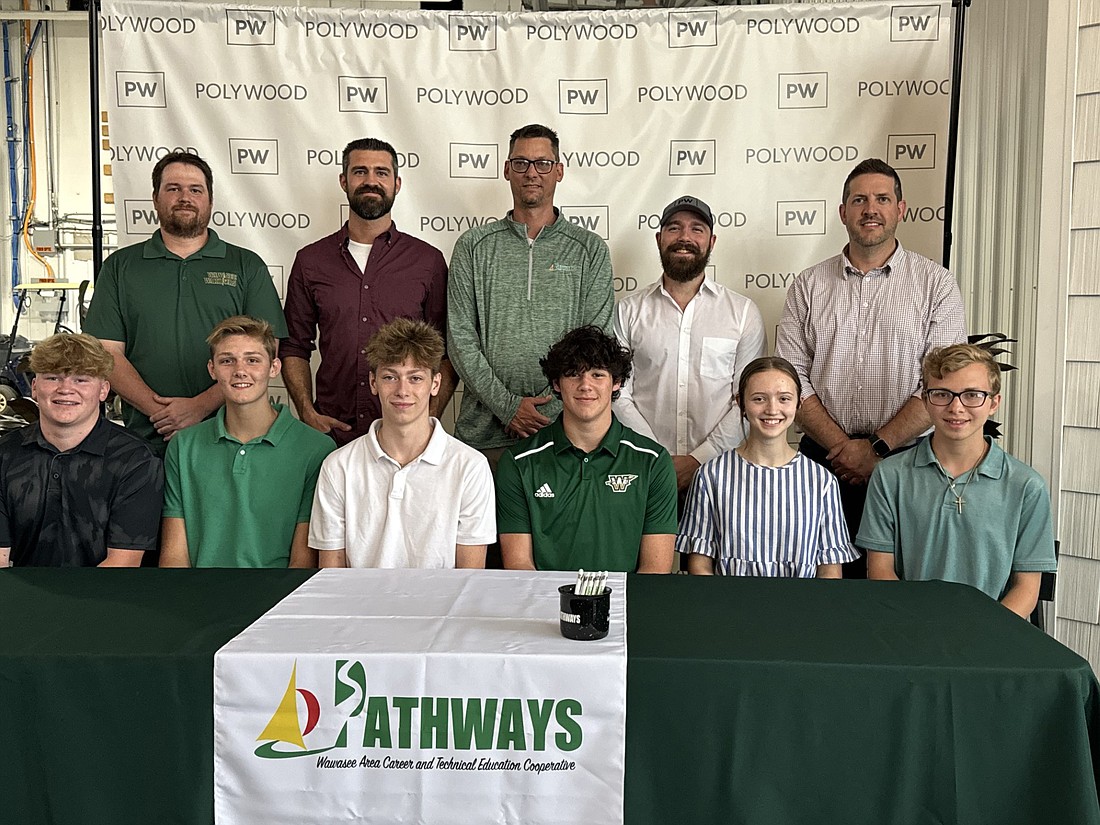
x=619, y=483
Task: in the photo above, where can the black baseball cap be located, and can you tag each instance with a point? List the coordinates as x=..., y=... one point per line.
x=687, y=203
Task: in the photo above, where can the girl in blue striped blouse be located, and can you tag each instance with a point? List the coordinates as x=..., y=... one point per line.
x=763, y=509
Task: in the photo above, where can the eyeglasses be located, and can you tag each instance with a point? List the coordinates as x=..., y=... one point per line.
x=969, y=398
x=521, y=165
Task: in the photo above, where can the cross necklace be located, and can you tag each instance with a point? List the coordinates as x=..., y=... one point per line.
x=959, y=500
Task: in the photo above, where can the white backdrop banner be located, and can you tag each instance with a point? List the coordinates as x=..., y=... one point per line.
x=421, y=697
x=761, y=111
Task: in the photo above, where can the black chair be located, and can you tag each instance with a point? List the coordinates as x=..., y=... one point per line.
x=1047, y=582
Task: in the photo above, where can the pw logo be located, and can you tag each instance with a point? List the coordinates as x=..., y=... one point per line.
x=912, y=151
x=800, y=218
x=582, y=97
x=914, y=23
x=141, y=89
x=619, y=483
x=363, y=94
x=691, y=157
x=474, y=160
x=687, y=29
x=471, y=33
x=250, y=27
x=804, y=90
x=248, y=156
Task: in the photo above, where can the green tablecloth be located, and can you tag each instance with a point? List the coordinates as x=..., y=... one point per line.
x=107, y=685
x=764, y=701
x=749, y=701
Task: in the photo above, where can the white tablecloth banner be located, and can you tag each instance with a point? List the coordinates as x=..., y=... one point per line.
x=421, y=696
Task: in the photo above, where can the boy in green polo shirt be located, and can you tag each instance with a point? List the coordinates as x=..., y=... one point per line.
x=239, y=486
x=956, y=507
x=585, y=491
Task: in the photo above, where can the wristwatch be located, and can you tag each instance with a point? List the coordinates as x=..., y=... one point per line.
x=881, y=448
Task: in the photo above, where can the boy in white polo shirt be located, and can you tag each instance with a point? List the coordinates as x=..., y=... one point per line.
x=406, y=494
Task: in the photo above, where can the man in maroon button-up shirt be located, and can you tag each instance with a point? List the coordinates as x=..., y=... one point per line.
x=349, y=285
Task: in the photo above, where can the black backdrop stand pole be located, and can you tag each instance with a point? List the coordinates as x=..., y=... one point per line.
x=953, y=128
x=97, y=183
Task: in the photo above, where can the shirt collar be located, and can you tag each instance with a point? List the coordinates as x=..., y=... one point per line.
x=95, y=442
x=389, y=236
x=155, y=248
x=433, y=453
x=895, y=259
x=282, y=423
x=992, y=466
x=521, y=228
x=609, y=443
x=707, y=285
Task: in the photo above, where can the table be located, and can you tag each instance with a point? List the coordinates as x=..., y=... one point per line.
x=749, y=701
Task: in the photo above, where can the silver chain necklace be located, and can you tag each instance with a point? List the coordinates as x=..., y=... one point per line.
x=959, y=500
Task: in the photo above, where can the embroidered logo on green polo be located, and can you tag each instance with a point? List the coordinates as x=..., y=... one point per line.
x=220, y=278
x=619, y=483
x=556, y=267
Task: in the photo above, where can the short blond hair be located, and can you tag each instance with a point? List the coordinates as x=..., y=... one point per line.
x=946, y=360
x=247, y=326
x=70, y=353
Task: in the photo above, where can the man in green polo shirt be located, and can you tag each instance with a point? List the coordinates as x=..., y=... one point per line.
x=585, y=491
x=239, y=486
x=154, y=303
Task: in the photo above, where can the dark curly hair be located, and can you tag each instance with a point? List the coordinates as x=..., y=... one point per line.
x=583, y=349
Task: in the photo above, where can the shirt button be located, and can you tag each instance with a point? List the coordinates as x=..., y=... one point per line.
x=367, y=287
x=362, y=415
x=364, y=383
x=585, y=461
x=364, y=320
x=58, y=475
x=363, y=351
x=242, y=452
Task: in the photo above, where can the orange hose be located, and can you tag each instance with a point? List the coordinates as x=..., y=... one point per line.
x=34, y=169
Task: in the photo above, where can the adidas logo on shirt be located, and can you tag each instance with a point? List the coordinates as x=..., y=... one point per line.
x=544, y=492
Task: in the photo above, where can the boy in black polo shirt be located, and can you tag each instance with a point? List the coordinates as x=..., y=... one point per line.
x=78, y=491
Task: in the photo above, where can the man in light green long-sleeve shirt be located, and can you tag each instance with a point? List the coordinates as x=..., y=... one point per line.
x=516, y=286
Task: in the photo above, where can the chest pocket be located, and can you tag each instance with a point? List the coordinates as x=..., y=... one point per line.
x=717, y=357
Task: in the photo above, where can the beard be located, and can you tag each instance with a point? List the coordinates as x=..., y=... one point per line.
x=684, y=270
x=184, y=222
x=370, y=209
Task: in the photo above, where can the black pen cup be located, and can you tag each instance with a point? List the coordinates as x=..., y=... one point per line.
x=584, y=618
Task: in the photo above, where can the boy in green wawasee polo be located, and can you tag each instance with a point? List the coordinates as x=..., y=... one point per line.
x=239, y=486
x=585, y=491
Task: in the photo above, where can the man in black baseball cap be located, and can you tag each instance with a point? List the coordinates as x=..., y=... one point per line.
x=691, y=337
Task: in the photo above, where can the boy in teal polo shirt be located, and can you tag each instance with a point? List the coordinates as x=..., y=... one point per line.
x=956, y=507
x=585, y=491
x=239, y=486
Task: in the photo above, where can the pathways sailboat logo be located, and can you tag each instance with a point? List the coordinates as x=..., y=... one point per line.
x=286, y=726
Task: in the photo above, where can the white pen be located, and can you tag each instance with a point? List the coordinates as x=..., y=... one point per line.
x=580, y=582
